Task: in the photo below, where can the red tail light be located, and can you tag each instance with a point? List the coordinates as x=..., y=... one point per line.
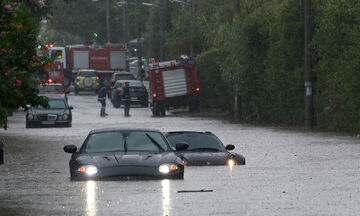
x=197, y=89
x=78, y=78
x=97, y=78
x=50, y=80
x=154, y=95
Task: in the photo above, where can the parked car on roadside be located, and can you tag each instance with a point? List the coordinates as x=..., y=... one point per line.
x=124, y=153
x=58, y=114
x=87, y=80
x=204, y=149
x=138, y=93
x=121, y=75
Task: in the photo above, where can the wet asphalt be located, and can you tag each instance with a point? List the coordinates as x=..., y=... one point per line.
x=288, y=171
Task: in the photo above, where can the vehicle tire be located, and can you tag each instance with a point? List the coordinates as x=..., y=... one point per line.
x=162, y=111
x=144, y=103
x=155, y=110
x=28, y=125
x=194, y=105
x=69, y=124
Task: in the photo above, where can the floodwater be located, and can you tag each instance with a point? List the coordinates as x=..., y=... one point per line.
x=288, y=172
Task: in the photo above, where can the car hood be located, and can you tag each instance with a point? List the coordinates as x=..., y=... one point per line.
x=204, y=158
x=47, y=111
x=110, y=159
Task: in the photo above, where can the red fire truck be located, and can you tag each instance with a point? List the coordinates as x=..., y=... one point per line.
x=55, y=72
x=174, y=84
x=105, y=60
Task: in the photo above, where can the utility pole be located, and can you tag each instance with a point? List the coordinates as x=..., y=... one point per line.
x=107, y=6
x=307, y=66
x=192, y=27
x=161, y=38
x=125, y=22
x=237, y=97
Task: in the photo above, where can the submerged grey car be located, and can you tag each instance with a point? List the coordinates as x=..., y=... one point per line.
x=125, y=153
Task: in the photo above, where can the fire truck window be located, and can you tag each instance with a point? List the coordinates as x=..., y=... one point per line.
x=56, y=54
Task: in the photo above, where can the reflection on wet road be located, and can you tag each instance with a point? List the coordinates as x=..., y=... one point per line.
x=288, y=172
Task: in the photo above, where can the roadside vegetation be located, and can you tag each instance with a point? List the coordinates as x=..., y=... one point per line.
x=19, y=64
x=257, y=50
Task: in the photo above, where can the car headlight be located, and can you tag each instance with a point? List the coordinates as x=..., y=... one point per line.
x=65, y=116
x=89, y=170
x=30, y=117
x=166, y=168
x=231, y=162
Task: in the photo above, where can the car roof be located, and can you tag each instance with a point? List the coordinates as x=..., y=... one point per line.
x=101, y=130
x=122, y=72
x=130, y=81
x=87, y=70
x=177, y=132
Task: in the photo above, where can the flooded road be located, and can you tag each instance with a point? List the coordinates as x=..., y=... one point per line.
x=288, y=172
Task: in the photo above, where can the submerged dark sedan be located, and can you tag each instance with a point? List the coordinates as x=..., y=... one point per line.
x=124, y=153
x=58, y=114
x=204, y=149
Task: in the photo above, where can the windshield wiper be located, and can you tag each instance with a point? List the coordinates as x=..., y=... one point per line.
x=154, y=141
x=205, y=149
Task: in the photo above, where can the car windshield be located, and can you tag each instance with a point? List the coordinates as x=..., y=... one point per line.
x=196, y=141
x=125, y=141
x=51, y=89
x=124, y=77
x=87, y=73
x=55, y=104
x=131, y=84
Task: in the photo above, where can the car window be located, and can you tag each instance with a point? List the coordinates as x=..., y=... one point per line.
x=124, y=77
x=54, y=89
x=135, y=141
x=196, y=140
x=104, y=142
x=118, y=84
x=145, y=141
x=135, y=84
x=55, y=104
x=87, y=73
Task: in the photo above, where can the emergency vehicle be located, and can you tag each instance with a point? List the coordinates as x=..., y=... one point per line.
x=174, y=84
x=105, y=60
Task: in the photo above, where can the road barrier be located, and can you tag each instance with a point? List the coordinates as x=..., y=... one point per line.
x=1, y=153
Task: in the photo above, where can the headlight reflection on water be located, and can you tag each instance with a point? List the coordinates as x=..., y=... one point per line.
x=91, y=208
x=165, y=195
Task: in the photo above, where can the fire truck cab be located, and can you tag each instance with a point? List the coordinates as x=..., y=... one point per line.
x=174, y=84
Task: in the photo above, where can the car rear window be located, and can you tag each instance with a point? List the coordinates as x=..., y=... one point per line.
x=196, y=140
x=51, y=89
x=124, y=77
x=87, y=73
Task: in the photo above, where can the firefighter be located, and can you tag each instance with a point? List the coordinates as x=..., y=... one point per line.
x=126, y=99
x=102, y=99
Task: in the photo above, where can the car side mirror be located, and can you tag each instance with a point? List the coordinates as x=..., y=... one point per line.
x=181, y=146
x=70, y=149
x=230, y=147
x=71, y=107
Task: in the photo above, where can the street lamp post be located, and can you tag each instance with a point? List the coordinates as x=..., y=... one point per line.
x=191, y=6
x=161, y=22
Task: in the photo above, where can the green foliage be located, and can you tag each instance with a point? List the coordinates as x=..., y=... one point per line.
x=19, y=64
x=336, y=42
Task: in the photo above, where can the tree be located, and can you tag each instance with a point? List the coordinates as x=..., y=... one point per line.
x=19, y=64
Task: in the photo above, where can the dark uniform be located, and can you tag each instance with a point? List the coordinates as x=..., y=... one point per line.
x=126, y=99
x=102, y=100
